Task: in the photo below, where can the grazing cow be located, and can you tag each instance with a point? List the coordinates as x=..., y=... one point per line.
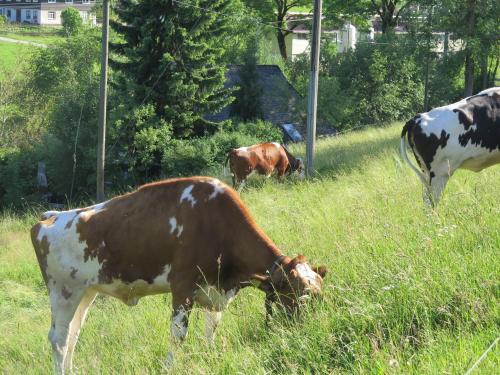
x=465, y=135
x=192, y=237
x=263, y=158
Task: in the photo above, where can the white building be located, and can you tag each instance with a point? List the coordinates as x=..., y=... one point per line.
x=44, y=12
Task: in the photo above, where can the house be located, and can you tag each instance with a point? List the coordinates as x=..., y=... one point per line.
x=298, y=41
x=279, y=97
x=44, y=12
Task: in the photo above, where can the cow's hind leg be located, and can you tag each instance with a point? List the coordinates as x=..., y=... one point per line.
x=438, y=183
x=76, y=325
x=64, y=304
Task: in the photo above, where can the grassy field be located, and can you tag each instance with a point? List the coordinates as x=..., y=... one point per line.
x=408, y=291
x=10, y=55
x=38, y=34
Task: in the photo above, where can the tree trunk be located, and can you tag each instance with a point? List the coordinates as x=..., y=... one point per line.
x=484, y=69
x=469, y=59
x=282, y=44
x=281, y=33
x=469, y=74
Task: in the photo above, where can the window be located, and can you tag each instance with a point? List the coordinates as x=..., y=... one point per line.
x=51, y=1
x=28, y=14
x=51, y=15
x=84, y=15
x=8, y=13
x=69, y=1
x=35, y=15
x=85, y=1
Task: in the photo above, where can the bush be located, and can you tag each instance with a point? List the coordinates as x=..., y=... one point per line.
x=71, y=21
x=3, y=20
x=202, y=155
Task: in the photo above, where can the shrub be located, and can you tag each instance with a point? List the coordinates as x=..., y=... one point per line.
x=201, y=155
x=71, y=21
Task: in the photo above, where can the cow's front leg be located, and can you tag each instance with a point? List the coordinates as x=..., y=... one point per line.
x=182, y=304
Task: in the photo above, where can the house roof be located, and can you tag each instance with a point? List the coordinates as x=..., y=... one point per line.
x=279, y=97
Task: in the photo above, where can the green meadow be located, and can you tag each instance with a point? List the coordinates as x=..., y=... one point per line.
x=409, y=291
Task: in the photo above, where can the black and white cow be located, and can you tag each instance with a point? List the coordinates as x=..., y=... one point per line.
x=464, y=135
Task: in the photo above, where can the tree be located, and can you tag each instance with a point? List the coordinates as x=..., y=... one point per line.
x=358, y=12
x=171, y=58
x=277, y=12
x=476, y=24
x=71, y=21
x=248, y=105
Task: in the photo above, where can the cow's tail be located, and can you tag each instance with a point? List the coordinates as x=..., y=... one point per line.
x=402, y=148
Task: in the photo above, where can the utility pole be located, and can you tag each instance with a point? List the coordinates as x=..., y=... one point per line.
x=101, y=135
x=312, y=99
x=428, y=60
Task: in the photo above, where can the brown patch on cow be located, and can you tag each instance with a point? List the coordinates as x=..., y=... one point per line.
x=66, y=293
x=130, y=238
x=42, y=248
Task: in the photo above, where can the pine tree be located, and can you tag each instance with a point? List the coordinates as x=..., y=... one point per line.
x=248, y=102
x=171, y=57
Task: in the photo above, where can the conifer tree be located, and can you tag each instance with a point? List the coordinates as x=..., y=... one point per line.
x=248, y=98
x=171, y=58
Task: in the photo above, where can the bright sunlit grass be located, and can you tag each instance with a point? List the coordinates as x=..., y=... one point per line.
x=408, y=290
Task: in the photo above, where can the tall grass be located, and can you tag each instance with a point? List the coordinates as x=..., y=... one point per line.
x=408, y=291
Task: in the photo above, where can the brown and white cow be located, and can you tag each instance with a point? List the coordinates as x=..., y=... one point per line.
x=192, y=237
x=464, y=135
x=264, y=159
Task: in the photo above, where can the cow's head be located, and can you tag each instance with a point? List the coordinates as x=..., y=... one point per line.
x=292, y=284
x=297, y=165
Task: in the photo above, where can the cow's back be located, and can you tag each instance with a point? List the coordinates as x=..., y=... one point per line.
x=138, y=240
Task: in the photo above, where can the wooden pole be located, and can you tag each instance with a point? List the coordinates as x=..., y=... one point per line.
x=101, y=135
x=312, y=102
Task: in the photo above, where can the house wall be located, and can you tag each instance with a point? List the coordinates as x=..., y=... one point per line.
x=299, y=45
x=43, y=8
x=44, y=17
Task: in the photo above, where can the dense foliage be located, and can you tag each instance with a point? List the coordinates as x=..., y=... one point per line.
x=171, y=58
x=248, y=97
x=71, y=20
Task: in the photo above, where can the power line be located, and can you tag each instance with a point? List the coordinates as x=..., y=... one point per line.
x=237, y=15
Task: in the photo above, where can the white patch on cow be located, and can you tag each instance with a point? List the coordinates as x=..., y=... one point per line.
x=174, y=227
x=179, y=328
x=218, y=188
x=242, y=149
x=186, y=195
x=66, y=251
x=173, y=224
x=307, y=274
x=179, y=232
x=212, y=298
x=276, y=144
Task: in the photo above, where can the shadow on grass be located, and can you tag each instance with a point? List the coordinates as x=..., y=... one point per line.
x=348, y=157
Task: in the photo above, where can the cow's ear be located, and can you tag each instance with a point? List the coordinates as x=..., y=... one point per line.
x=465, y=117
x=320, y=270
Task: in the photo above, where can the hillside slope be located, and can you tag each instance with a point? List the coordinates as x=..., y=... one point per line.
x=408, y=291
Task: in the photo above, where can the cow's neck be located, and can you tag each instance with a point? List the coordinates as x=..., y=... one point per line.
x=259, y=253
